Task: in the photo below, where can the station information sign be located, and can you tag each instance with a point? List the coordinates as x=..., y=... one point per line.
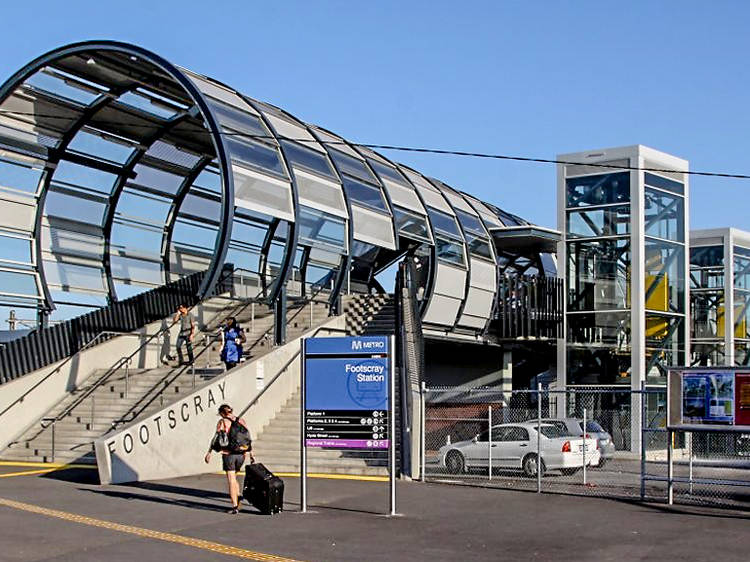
x=347, y=381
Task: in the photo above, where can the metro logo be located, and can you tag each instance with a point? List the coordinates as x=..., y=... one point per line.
x=359, y=345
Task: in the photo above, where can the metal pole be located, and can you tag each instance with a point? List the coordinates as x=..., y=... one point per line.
x=192, y=370
x=489, y=449
x=423, y=431
x=127, y=376
x=53, y=440
x=670, y=468
x=311, y=313
x=689, y=436
x=644, y=428
x=584, y=446
x=538, y=438
x=392, y=424
x=303, y=444
x=252, y=318
x=207, y=343
x=93, y=408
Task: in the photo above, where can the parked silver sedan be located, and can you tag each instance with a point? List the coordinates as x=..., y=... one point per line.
x=574, y=426
x=514, y=446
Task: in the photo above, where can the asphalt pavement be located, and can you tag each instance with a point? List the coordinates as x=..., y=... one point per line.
x=66, y=516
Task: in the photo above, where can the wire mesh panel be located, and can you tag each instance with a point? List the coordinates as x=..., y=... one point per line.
x=577, y=441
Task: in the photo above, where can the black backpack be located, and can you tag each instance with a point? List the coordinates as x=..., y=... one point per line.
x=239, y=437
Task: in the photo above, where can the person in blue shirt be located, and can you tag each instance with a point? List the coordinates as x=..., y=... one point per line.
x=232, y=338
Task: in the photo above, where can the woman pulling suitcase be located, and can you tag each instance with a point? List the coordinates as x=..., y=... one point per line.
x=232, y=440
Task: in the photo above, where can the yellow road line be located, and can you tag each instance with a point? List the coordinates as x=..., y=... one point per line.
x=336, y=476
x=147, y=533
x=28, y=472
x=363, y=478
x=47, y=464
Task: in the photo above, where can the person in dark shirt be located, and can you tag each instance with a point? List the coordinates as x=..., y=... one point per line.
x=187, y=332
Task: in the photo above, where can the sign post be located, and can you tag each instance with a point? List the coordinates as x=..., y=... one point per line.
x=347, y=399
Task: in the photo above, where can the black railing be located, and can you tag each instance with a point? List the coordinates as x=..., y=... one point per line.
x=529, y=307
x=45, y=346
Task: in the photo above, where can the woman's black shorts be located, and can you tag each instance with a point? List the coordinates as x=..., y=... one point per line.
x=232, y=462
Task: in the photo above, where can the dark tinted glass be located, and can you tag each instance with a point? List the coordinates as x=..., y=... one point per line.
x=471, y=223
x=364, y=194
x=255, y=154
x=348, y=165
x=444, y=223
x=411, y=225
x=387, y=172
x=663, y=183
x=598, y=190
x=307, y=159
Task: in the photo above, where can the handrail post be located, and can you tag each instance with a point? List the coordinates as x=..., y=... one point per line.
x=127, y=376
x=192, y=369
x=207, y=343
x=53, y=440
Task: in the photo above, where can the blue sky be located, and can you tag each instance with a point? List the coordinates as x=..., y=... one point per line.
x=520, y=78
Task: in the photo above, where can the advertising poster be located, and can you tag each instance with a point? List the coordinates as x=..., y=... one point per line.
x=742, y=399
x=708, y=398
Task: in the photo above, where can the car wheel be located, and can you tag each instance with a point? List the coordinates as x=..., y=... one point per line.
x=454, y=462
x=530, y=465
x=569, y=471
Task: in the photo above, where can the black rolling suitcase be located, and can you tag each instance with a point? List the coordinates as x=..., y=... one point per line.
x=263, y=490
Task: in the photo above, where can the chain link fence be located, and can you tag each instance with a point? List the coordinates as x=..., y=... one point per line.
x=488, y=437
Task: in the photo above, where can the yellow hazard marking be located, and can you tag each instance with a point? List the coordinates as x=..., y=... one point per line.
x=147, y=533
x=324, y=475
x=47, y=464
x=336, y=476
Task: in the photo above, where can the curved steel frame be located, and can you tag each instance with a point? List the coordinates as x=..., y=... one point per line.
x=227, y=201
x=202, y=108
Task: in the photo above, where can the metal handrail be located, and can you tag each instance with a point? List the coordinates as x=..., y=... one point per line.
x=286, y=365
x=84, y=347
x=123, y=360
x=165, y=383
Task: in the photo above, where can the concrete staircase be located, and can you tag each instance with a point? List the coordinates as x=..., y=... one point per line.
x=278, y=447
x=370, y=314
x=85, y=414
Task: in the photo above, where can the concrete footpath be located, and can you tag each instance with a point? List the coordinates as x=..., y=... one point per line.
x=65, y=516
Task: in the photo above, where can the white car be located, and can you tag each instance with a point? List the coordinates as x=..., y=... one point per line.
x=514, y=446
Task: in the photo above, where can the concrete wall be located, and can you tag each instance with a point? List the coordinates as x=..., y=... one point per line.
x=22, y=415
x=173, y=441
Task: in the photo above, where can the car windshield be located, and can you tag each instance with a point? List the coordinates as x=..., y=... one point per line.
x=552, y=431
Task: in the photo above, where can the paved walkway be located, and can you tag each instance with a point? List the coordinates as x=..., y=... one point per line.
x=65, y=516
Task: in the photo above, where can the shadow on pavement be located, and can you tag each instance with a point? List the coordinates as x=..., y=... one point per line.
x=75, y=475
x=165, y=501
x=180, y=490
